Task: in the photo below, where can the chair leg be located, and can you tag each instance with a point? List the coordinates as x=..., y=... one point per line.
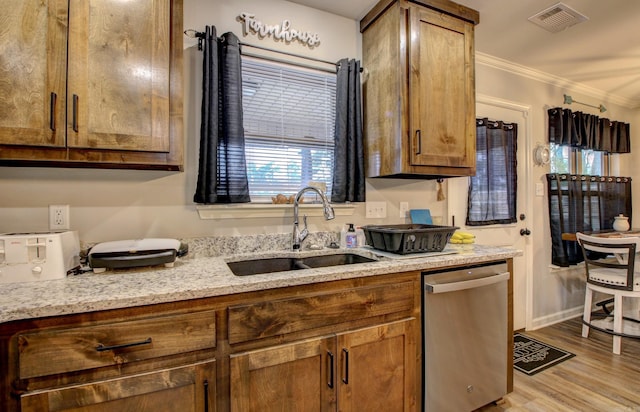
x=586, y=316
x=617, y=323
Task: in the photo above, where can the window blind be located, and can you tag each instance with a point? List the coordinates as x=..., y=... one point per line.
x=289, y=122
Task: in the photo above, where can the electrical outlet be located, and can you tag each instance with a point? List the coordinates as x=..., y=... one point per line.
x=59, y=217
x=404, y=209
x=376, y=210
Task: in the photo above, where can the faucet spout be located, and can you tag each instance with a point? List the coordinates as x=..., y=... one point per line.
x=300, y=235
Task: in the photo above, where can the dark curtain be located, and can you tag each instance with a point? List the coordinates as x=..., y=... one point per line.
x=587, y=131
x=579, y=203
x=493, y=190
x=222, y=173
x=348, y=168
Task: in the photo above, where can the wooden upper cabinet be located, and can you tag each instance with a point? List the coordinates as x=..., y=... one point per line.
x=419, y=93
x=33, y=54
x=119, y=74
x=441, y=86
x=124, y=94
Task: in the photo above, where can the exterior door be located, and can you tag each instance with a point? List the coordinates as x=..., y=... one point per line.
x=505, y=235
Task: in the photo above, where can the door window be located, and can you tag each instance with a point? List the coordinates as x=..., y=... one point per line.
x=492, y=191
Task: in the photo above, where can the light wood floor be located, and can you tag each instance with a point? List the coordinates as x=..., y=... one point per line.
x=594, y=380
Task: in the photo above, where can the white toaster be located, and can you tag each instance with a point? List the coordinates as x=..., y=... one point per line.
x=28, y=257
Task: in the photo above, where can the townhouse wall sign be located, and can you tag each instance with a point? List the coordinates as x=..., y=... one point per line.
x=283, y=32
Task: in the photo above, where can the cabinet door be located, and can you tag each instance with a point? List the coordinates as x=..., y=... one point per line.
x=294, y=377
x=119, y=59
x=189, y=388
x=442, y=91
x=377, y=368
x=68, y=350
x=33, y=54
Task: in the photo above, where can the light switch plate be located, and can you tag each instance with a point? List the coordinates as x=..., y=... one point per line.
x=404, y=209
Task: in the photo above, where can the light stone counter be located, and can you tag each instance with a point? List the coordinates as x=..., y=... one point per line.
x=202, y=277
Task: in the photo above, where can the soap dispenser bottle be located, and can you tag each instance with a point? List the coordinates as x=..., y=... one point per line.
x=351, y=237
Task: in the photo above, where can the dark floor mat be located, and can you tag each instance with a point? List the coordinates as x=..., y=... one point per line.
x=531, y=356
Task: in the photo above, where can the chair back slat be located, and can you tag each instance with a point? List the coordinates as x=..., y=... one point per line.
x=624, y=249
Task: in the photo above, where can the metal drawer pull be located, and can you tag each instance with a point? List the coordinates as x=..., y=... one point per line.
x=102, y=348
x=52, y=112
x=330, y=361
x=206, y=396
x=419, y=141
x=345, y=379
x=74, y=124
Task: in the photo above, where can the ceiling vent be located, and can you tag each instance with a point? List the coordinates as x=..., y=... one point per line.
x=557, y=18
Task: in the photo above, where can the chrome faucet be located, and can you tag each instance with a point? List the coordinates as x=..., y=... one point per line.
x=300, y=235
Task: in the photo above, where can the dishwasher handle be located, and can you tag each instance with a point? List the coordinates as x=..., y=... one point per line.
x=467, y=284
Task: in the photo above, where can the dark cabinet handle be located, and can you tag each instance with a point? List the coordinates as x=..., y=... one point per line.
x=52, y=111
x=330, y=367
x=525, y=232
x=102, y=348
x=419, y=141
x=75, y=113
x=206, y=396
x=345, y=375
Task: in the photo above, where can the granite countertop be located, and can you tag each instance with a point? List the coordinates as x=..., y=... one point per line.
x=202, y=277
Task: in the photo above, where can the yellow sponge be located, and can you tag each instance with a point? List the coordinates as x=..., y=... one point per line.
x=462, y=237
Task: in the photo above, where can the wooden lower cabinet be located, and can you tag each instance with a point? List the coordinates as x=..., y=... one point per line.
x=298, y=376
x=378, y=368
x=348, y=345
x=187, y=388
x=372, y=368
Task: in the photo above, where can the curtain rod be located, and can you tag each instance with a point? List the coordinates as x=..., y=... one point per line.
x=568, y=100
x=200, y=35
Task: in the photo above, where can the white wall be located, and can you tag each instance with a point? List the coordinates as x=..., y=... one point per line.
x=121, y=204
x=557, y=293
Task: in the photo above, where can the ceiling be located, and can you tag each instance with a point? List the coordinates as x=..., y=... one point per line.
x=602, y=54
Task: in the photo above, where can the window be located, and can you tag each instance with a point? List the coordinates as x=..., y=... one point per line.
x=565, y=159
x=289, y=122
x=493, y=190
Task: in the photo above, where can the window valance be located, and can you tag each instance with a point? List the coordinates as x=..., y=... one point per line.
x=588, y=131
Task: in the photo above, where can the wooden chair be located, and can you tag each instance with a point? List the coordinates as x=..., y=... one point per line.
x=616, y=277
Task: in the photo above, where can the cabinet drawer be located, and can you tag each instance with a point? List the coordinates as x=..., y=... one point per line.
x=155, y=391
x=267, y=319
x=53, y=351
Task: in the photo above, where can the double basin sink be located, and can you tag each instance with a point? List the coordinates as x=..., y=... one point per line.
x=282, y=264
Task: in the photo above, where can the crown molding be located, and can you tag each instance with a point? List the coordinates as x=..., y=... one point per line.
x=524, y=71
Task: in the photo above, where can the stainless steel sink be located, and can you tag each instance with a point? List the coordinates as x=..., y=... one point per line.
x=335, y=260
x=282, y=264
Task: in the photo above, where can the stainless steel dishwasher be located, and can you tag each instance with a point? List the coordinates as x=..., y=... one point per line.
x=465, y=337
